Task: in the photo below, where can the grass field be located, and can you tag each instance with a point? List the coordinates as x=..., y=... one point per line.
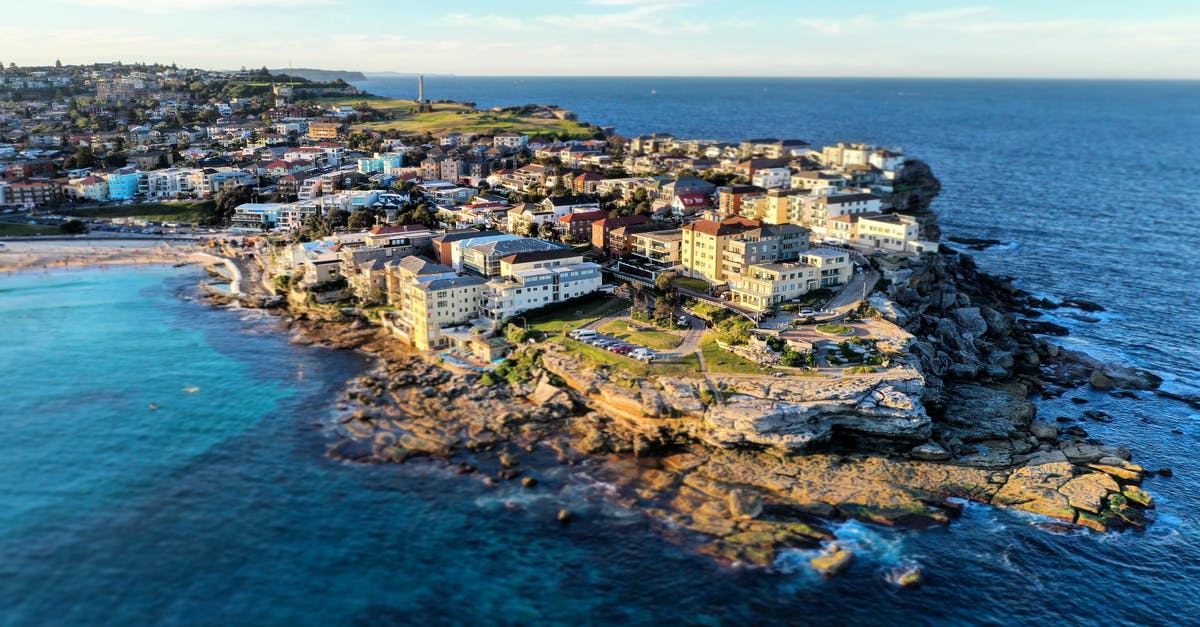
x=455, y=118
x=576, y=315
x=722, y=361
x=632, y=332
x=691, y=283
x=12, y=229
x=190, y=212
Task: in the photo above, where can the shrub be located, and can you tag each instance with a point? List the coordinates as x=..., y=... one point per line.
x=707, y=397
x=516, y=334
x=734, y=331
x=777, y=344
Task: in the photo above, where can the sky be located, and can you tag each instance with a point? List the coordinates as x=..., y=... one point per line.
x=1013, y=38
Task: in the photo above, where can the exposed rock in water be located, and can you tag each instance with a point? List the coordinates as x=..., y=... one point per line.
x=975, y=243
x=833, y=562
x=1082, y=305
x=909, y=576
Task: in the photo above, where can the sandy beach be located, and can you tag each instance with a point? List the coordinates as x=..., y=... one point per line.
x=22, y=255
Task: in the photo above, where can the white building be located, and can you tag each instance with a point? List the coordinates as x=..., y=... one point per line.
x=772, y=178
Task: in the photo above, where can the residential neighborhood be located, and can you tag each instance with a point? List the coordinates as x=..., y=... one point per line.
x=449, y=235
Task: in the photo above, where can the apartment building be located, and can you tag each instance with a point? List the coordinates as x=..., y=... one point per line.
x=659, y=247
x=429, y=297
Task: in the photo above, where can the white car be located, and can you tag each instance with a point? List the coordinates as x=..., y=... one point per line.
x=644, y=354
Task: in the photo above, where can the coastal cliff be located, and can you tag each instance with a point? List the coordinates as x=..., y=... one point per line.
x=776, y=461
x=770, y=461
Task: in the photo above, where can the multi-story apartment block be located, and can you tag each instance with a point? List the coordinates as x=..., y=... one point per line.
x=717, y=251
x=429, y=297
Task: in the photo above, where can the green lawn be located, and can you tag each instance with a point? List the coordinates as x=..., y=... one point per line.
x=575, y=315
x=691, y=283
x=686, y=366
x=649, y=337
x=455, y=118
x=835, y=329
x=722, y=361
x=12, y=229
x=190, y=212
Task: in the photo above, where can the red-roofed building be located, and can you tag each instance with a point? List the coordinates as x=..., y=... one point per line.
x=30, y=192
x=586, y=182
x=689, y=204
x=91, y=187
x=579, y=225
x=602, y=229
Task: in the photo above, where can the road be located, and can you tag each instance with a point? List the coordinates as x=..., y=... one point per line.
x=853, y=292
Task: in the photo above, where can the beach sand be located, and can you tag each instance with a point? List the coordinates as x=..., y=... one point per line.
x=22, y=255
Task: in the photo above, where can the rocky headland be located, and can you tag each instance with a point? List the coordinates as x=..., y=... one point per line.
x=780, y=458
x=775, y=460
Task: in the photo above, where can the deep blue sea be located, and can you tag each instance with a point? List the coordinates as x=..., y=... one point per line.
x=220, y=508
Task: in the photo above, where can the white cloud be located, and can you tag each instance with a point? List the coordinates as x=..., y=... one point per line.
x=941, y=17
x=172, y=6
x=646, y=19
x=655, y=4
x=500, y=21
x=838, y=27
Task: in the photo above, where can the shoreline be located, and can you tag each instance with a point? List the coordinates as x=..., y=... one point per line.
x=34, y=255
x=741, y=505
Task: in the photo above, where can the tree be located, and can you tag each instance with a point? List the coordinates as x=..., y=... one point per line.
x=361, y=219
x=115, y=160
x=84, y=157
x=337, y=218
x=422, y=215
x=229, y=198
x=73, y=227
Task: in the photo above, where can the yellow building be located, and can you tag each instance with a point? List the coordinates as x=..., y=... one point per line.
x=324, y=130
x=769, y=208
x=891, y=232
x=429, y=297
x=763, y=286
x=702, y=246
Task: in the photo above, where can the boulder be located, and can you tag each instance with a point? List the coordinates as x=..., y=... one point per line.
x=745, y=504
x=1082, y=305
x=1043, y=431
x=1101, y=382
x=929, y=451
x=1123, y=473
x=907, y=576
x=1081, y=453
x=1088, y=492
x=971, y=320
x=834, y=562
x=1036, y=489
x=1138, y=497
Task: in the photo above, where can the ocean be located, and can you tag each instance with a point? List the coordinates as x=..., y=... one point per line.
x=220, y=506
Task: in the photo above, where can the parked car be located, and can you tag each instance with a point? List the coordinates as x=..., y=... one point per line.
x=600, y=342
x=644, y=354
x=583, y=334
x=621, y=349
